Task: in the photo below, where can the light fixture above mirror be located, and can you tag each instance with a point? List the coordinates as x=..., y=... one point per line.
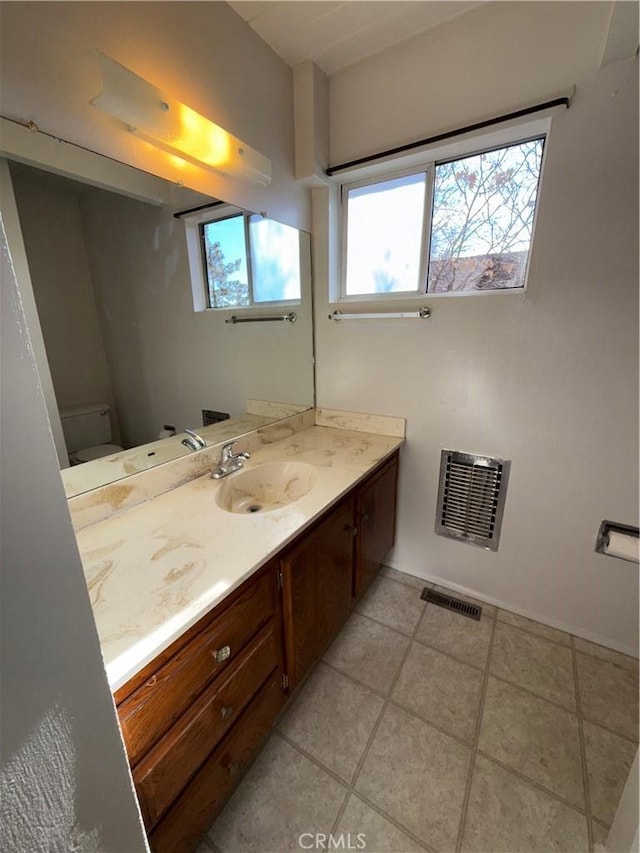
x=165, y=122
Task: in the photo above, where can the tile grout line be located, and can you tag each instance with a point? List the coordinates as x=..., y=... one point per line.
x=417, y=716
x=616, y=732
x=395, y=822
x=449, y=655
x=563, y=707
x=404, y=583
x=374, y=690
x=583, y=749
x=396, y=704
x=535, y=633
x=350, y=791
x=387, y=700
x=383, y=624
x=423, y=642
x=326, y=769
x=535, y=695
x=465, y=743
x=477, y=668
x=476, y=738
x=532, y=782
x=571, y=637
x=365, y=752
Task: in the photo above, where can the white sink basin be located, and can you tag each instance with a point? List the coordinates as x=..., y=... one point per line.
x=266, y=487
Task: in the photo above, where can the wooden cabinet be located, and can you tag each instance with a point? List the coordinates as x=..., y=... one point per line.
x=166, y=769
x=375, y=523
x=331, y=566
x=170, y=684
x=194, y=810
x=194, y=717
x=317, y=579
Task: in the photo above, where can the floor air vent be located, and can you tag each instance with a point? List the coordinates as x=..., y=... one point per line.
x=450, y=603
x=471, y=498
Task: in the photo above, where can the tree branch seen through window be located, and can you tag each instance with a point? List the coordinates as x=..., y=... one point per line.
x=478, y=235
x=483, y=211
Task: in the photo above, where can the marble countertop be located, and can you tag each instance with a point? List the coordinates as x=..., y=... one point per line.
x=156, y=569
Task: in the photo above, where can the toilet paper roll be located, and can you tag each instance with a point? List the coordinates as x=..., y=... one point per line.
x=166, y=433
x=623, y=545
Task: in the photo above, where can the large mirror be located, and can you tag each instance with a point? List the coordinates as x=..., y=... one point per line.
x=133, y=364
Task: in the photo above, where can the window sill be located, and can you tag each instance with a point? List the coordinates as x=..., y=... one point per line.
x=412, y=301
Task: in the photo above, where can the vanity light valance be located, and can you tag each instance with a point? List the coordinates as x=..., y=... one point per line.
x=172, y=126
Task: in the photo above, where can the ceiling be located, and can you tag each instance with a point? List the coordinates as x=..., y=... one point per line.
x=335, y=33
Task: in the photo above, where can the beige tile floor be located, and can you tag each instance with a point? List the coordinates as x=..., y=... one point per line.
x=425, y=730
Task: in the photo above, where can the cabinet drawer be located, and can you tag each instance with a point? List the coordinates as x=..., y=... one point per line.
x=165, y=771
x=194, y=810
x=153, y=708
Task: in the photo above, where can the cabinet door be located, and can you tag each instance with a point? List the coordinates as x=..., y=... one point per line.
x=376, y=522
x=317, y=578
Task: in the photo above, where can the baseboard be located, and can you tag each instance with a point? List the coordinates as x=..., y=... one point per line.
x=577, y=631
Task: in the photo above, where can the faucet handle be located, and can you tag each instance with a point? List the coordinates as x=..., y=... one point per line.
x=198, y=439
x=227, y=450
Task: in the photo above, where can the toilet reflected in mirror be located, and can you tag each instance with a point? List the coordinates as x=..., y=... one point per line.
x=88, y=432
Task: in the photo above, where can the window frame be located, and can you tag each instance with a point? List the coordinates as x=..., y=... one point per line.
x=203, y=252
x=429, y=172
x=196, y=252
x=428, y=167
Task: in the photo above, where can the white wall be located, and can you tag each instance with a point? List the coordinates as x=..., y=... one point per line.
x=623, y=835
x=64, y=780
x=11, y=219
x=167, y=361
x=51, y=222
x=491, y=60
x=202, y=53
x=549, y=379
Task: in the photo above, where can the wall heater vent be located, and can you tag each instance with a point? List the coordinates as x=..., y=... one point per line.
x=471, y=497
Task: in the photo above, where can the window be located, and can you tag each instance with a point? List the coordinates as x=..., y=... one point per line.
x=384, y=235
x=225, y=255
x=250, y=260
x=452, y=227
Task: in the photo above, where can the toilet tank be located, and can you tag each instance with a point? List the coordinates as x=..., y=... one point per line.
x=86, y=425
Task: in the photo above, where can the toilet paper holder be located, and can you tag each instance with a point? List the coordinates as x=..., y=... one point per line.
x=618, y=540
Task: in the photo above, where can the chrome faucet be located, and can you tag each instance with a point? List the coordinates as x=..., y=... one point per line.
x=229, y=461
x=193, y=440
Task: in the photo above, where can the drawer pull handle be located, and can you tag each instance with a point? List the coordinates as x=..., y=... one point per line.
x=226, y=713
x=350, y=528
x=221, y=654
x=233, y=767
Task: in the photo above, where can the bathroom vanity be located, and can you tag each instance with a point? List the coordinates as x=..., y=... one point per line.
x=280, y=585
